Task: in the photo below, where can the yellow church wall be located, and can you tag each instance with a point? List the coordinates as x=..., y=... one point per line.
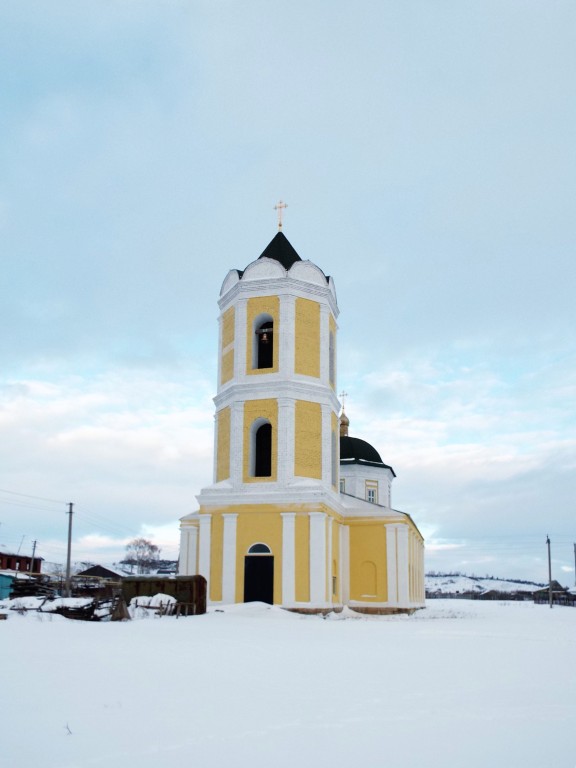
x=227, y=367
x=264, y=524
x=308, y=444
x=262, y=305
x=260, y=409
x=368, y=577
x=228, y=327
x=302, y=561
x=223, y=448
x=253, y=528
x=227, y=362
x=307, y=338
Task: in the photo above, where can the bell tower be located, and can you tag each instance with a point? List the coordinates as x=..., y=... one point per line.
x=276, y=454
x=276, y=407
x=298, y=512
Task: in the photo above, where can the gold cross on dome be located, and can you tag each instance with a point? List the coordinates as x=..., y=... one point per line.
x=280, y=207
x=343, y=395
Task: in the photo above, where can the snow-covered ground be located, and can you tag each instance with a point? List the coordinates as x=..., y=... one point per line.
x=461, y=684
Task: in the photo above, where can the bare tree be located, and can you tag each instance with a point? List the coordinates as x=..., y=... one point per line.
x=142, y=555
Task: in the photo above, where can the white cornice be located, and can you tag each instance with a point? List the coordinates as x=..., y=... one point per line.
x=280, y=286
x=277, y=387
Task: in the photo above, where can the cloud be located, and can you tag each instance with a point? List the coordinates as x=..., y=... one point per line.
x=130, y=465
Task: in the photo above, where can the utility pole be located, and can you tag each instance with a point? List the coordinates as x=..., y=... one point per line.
x=33, y=553
x=69, y=556
x=549, y=572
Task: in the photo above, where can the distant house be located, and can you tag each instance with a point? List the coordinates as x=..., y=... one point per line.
x=101, y=572
x=560, y=595
x=15, y=562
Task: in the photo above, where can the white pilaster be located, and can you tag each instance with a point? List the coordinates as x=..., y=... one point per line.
x=402, y=566
x=229, y=559
x=325, y=344
x=326, y=445
x=287, y=335
x=345, y=564
x=330, y=594
x=288, y=558
x=236, y=443
x=188, y=561
x=204, y=551
x=317, y=558
x=391, y=564
x=285, y=440
x=219, y=379
x=240, y=340
x=215, y=449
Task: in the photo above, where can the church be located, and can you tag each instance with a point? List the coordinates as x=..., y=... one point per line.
x=299, y=512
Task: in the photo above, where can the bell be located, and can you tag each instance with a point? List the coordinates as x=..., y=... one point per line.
x=264, y=338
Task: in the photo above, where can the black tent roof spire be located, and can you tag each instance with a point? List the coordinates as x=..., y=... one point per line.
x=280, y=249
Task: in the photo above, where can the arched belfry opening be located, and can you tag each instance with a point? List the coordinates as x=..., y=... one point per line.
x=263, y=450
x=259, y=574
x=264, y=343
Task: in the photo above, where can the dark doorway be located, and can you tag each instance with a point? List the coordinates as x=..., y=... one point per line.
x=263, y=463
x=259, y=578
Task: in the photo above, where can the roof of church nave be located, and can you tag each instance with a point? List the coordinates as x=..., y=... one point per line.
x=353, y=450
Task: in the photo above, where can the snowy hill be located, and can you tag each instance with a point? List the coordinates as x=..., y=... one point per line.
x=458, y=584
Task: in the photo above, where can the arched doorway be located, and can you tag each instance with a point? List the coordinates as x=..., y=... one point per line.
x=259, y=574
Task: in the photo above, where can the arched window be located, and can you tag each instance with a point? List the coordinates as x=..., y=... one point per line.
x=264, y=343
x=368, y=579
x=259, y=549
x=263, y=451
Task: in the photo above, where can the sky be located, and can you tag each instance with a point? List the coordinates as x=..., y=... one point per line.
x=425, y=151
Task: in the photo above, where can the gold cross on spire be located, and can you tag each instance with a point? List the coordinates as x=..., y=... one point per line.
x=343, y=395
x=280, y=207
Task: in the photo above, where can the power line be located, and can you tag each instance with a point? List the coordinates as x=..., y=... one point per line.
x=29, y=496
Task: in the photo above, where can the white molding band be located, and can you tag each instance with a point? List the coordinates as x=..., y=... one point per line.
x=229, y=558
x=317, y=558
x=288, y=558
